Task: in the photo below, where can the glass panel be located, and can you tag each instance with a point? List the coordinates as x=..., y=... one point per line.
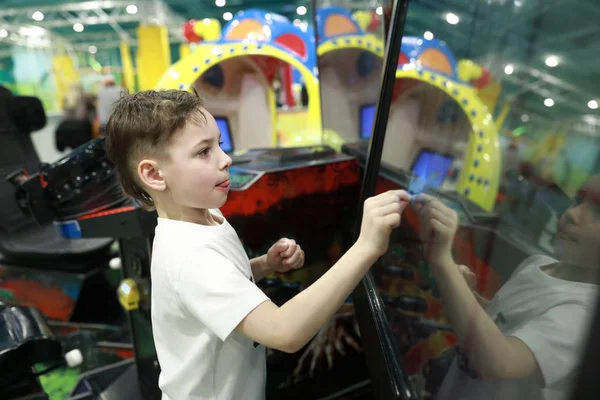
x=490, y=282
x=350, y=60
x=351, y=46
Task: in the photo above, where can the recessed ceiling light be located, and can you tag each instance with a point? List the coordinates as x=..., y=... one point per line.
x=548, y=102
x=452, y=18
x=593, y=104
x=509, y=69
x=524, y=117
x=93, y=49
x=379, y=11
x=227, y=16
x=38, y=16
x=220, y=3
x=131, y=9
x=301, y=10
x=3, y=33
x=552, y=61
x=78, y=27
x=428, y=35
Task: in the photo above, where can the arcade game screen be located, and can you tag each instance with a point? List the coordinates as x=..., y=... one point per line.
x=223, y=124
x=367, y=116
x=432, y=167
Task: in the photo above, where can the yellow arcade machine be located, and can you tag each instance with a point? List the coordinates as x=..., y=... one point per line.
x=235, y=75
x=459, y=152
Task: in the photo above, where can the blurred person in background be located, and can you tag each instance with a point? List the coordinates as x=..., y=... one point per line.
x=107, y=95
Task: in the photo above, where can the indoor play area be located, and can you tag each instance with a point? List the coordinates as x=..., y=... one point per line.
x=320, y=105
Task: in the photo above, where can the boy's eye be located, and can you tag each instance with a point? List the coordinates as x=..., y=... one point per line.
x=221, y=143
x=204, y=152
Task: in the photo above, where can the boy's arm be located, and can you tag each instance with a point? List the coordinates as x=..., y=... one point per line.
x=259, y=267
x=469, y=277
x=493, y=355
x=291, y=326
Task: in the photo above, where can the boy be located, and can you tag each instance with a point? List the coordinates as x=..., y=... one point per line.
x=207, y=312
x=525, y=343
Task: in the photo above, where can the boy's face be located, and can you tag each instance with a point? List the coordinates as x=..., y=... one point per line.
x=578, y=235
x=197, y=175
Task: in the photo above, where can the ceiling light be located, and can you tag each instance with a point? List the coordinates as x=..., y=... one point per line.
x=509, y=69
x=301, y=10
x=220, y=3
x=3, y=33
x=93, y=49
x=78, y=27
x=38, y=16
x=452, y=19
x=593, y=104
x=428, y=35
x=548, y=102
x=227, y=16
x=524, y=117
x=131, y=9
x=518, y=3
x=379, y=11
x=297, y=22
x=552, y=61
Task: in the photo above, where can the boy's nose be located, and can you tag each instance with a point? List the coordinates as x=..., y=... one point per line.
x=226, y=161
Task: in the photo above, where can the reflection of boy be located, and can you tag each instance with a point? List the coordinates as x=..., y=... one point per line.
x=526, y=341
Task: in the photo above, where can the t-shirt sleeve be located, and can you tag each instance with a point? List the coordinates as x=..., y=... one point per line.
x=216, y=292
x=556, y=338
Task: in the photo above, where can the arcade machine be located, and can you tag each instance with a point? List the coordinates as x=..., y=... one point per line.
x=235, y=73
x=440, y=139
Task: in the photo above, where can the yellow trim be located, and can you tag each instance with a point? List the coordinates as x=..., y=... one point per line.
x=184, y=73
x=479, y=177
x=365, y=42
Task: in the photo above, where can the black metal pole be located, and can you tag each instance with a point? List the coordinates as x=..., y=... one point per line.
x=388, y=79
x=389, y=380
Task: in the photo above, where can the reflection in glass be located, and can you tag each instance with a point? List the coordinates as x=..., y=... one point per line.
x=492, y=278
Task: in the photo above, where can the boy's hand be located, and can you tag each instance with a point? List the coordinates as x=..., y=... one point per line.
x=438, y=225
x=284, y=256
x=381, y=215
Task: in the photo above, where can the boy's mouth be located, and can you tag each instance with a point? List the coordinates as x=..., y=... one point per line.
x=224, y=184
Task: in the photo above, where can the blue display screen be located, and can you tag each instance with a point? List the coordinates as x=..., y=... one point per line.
x=223, y=124
x=432, y=168
x=367, y=117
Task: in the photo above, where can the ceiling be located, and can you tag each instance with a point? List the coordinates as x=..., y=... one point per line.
x=495, y=33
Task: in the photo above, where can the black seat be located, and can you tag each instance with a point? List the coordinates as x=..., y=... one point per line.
x=25, y=340
x=23, y=241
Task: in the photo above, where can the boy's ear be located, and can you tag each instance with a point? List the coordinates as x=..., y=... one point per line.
x=150, y=175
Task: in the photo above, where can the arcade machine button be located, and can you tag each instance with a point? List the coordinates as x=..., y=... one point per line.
x=129, y=295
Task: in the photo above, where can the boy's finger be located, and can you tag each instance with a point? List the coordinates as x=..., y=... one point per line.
x=293, y=259
x=281, y=246
x=422, y=199
x=291, y=248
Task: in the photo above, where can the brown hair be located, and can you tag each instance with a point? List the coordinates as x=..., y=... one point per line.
x=141, y=125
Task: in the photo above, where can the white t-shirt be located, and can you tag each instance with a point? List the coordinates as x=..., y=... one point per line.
x=202, y=288
x=551, y=316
